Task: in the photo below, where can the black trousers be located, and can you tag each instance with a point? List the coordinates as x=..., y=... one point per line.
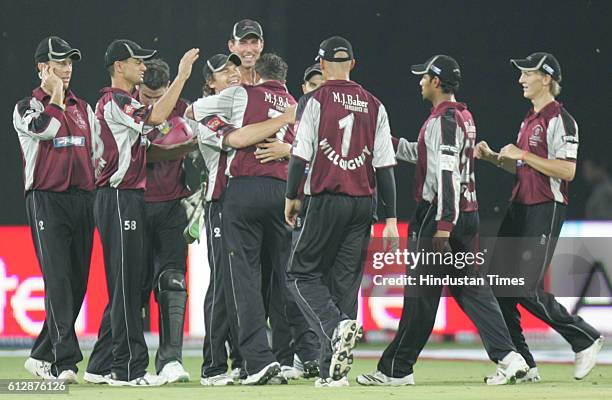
x=217, y=314
x=62, y=230
x=253, y=222
x=539, y=221
x=120, y=217
x=165, y=249
x=419, y=312
x=326, y=262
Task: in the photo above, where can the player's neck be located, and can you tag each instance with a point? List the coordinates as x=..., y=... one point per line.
x=338, y=76
x=248, y=75
x=542, y=100
x=120, y=83
x=441, y=98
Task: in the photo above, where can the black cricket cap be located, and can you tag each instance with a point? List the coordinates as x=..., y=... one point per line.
x=246, y=27
x=540, y=61
x=217, y=62
x=122, y=49
x=54, y=48
x=442, y=66
x=329, y=47
x=312, y=70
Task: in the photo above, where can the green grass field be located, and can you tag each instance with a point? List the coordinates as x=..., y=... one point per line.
x=435, y=380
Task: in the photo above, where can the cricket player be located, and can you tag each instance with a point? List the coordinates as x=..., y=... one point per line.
x=217, y=138
x=119, y=208
x=446, y=220
x=543, y=161
x=248, y=231
x=56, y=131
x=247, y=41
x=344, y=134
x=313, y=78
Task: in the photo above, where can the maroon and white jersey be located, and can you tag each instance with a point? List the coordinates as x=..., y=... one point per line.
x=445, y=162
x=166, y=179
x=211, y=131
x=344, y=134
x=551, y=133
x=246, y=105
x=56, y=145
x=121, y=161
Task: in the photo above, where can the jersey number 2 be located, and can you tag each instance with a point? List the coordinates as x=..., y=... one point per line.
x=280, y=135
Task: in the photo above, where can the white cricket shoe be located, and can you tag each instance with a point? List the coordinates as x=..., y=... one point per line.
x=96, y=378
x=174, y=372
x=329, y=382
x=39, y=368
x=378, y=378
x=291, y=372
x=147, y=380
x=587, y=358
x=264, y=375
x=512, y=367
x=344, y=339
x=532, y=376
x=69, y=376
x=217, y=380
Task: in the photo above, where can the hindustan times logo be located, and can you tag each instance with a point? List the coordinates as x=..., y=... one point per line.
x=412, y=260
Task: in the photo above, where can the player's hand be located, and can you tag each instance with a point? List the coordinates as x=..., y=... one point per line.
x=482, y=150
x=510, y=152
x=271, y=150
x=50, y=81
x=289, y=115
x=186, y=63
x=440, y=242
x=390, y=235
x=292, y=210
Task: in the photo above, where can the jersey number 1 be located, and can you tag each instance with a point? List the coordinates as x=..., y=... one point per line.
x=346, y=124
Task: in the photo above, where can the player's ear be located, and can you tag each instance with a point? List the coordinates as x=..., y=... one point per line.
x=353, y=62
x=230, y=45
x=436, y=81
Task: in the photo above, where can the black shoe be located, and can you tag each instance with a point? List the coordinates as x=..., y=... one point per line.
x=311, y=369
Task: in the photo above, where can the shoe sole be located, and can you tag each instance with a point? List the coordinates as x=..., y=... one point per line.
x=95, y=380
x=266, y=376
x=342, y=359
x=374, y=383
x=180, y=379
x=599, y=346
x=227, y=383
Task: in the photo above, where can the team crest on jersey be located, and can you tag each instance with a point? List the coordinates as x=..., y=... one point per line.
x=214, y=124
x=129, y=109
x=536, y=135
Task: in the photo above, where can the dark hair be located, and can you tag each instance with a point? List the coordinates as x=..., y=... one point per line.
x=271, y=66
x=446, y=87
x=206, y=89
x=157, y=74
x=449, y=88
x=111, y=70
